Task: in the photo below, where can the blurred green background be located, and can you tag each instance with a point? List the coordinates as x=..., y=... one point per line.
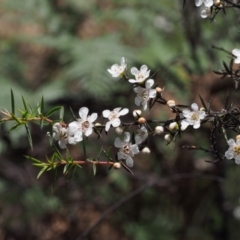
x=61, y=49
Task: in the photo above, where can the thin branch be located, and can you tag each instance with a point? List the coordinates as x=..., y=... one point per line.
x=153, y=180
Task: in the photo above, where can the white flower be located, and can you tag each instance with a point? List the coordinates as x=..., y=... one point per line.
x=127, y=149
x=114, y=117
x=207, y=3
x=140, y=75
x=144, y=94
x=206, y=12
x=233, y=150
x=192, y=117
x=60, y=134
x=236, y=52
x=118, y=70
x=84, y=125
x=142, y=135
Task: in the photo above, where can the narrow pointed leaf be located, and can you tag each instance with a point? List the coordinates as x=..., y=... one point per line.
x=41, y=172
x=16, y=119
x=42, y=105
x=32, y=159
x=65, y=169
x=202, y=101
x=61, y=113
x=12, y=102
x=29, y=136
x=16, y=126
x=94, y=169
x=53, y=110
x=24, y=104
x=58, y=154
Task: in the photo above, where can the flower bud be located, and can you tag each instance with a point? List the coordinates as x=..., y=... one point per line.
x=117, y=165
x=237, y=137
x=168, y=138
x=137, y=113
x=158, y=90
x=171, y=103
x=159, y=129
x=141, y=120
x=217, y=3
x=119, y=130
x=173, y=126
x=98, y=124
x=146, y=150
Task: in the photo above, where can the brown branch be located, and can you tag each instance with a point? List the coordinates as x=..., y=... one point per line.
x=152, y=180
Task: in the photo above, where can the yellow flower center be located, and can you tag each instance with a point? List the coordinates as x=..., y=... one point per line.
x=237, y=150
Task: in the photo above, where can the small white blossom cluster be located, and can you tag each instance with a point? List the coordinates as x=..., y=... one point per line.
x=75, y=131
x=206, y=12
x=84, y=127
x=144, y=94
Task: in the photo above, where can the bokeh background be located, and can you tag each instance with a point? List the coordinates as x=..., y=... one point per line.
x=61, y=49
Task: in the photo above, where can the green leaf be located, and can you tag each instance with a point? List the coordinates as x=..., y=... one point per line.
x=12, y=102
x=32, y=159
x=65, y=169
x=58, y=154
x=42, y=105
x=94, y=169
x=16, y=119
x=15, y=127
x=100, y=153
x=24, y=104
x=202, y=101
x=29, y=136
x=53, y=110
x=61, y=113
x=41, y=172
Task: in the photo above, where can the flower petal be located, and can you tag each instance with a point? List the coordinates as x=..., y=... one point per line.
x=132, y=80
x=236, y=52
x=138, y=100
x=118, y=143
x=208, y=3
x=231, y=143
x=126, y=137
x=229, y=154
x=134, y=71
x=152, y=93
x=198, y=3
x=107, y=126
x=143, y=68
x=149, y=83
x=106, y=113
x=138, y=89
x=93, y=117
x=194, y=107
x=83, y=112
x=124, y=111
x=135, y=149
x=129, y=161
x=116, y=122
x=73, y=127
